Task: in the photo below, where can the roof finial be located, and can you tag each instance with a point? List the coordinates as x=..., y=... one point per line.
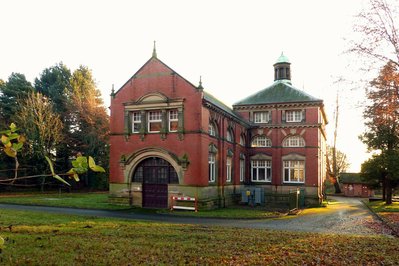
x=154, y=51
x=113, y=91
x=200, y=84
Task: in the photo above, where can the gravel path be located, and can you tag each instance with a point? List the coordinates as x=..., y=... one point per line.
x=342, y=216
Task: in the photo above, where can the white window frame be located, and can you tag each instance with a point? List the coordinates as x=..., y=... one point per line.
x=212, y=129
x=136, y=120
x=261, y=141
x=259, y=165
x=229, y=135
x=154, y=117
x=293, y=116
x=212, y=167
x=294, y=171
x=294, y=141
x=228, y=169
x=261, y=117
x=173, y=117
x=242, y=170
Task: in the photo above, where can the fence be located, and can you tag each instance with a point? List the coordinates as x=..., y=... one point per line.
x=175, y=200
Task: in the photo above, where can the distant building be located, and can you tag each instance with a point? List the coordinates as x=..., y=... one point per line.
x=354, y=186
x=170, y=137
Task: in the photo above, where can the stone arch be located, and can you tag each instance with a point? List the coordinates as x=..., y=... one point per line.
x=133, y=160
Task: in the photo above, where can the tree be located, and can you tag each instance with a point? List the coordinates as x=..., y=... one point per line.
x=379, y=38
x=382, y=123
x=54, y=83
x=42, y=126
x=15, y=89
x=90, y=127
x=334, y=169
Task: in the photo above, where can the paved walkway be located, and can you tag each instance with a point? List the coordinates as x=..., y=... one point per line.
x=342, y=216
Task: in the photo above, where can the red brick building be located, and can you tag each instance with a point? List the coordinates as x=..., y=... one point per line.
x=170, y=137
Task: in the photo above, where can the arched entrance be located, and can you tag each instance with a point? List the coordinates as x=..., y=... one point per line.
x=155, y=174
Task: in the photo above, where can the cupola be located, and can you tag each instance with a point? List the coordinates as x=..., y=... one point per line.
x=282, y=69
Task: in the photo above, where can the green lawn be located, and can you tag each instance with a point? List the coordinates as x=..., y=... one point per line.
x=380, y=206
x=74, y=200
x=100, y=201
x=34, y=238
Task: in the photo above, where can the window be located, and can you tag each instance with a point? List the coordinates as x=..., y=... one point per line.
x=261, y=141
x=229, y=135
x=136, y=122
x=173, y=120
x=294, y=116
x=154, y=121
x=261, y=170
x=242, y=140
x=212, y=129
x=212, y=167
x=294, y=141
x=228, y=169
x=242, y=170
x=261, y=117
x=294, y=171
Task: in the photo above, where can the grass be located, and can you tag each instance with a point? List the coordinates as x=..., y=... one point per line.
x=230, y=213
x=49, y=239
x=100, y=201
x=73, y=200
x=380, y=206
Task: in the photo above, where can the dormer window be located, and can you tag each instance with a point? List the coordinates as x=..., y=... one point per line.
x=261, y=117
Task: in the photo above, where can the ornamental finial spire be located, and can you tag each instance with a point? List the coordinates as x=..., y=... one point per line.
x=200, y=84
x=154, y=51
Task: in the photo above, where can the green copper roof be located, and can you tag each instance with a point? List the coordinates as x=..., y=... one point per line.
x=280, y=91
x=282, y=59
x=211, y=99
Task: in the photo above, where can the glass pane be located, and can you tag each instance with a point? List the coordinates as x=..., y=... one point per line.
x=155, y=126
x=173, y=125
x=262, y=174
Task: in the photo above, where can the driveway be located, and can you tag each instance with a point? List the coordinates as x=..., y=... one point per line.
x=342, y=216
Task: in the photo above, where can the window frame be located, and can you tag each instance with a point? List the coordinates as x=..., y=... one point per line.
x=212, y=129
x=267, y=167
x=261, y=117
x=136, y=121
x=211, y=168
x=242, y=169
x=175, y=119
x=256, y=142
x=294, y=167
x=228, y=169
x=294, y=141
x=154, y=121
x=293, y=116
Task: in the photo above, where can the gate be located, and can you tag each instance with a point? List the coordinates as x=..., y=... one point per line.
x=155, y=174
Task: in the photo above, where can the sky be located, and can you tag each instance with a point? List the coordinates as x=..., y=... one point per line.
x=231, y=44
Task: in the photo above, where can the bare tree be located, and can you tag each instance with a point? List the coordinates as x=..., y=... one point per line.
x=378, y=32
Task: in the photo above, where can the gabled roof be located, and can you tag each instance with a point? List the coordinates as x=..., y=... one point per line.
x=214, y=101
x=351, y=178
x=281, y=91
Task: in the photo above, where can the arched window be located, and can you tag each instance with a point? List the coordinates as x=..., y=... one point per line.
x=261, y=141
x=212, y=129
x=242, y=140
x=294, y=141
x=229, y=135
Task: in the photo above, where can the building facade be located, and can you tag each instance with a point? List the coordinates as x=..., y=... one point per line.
x=172, y=138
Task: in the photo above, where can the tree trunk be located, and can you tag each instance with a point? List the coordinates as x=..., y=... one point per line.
x=383, y=189
x=388, y=187
x=337, y=187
